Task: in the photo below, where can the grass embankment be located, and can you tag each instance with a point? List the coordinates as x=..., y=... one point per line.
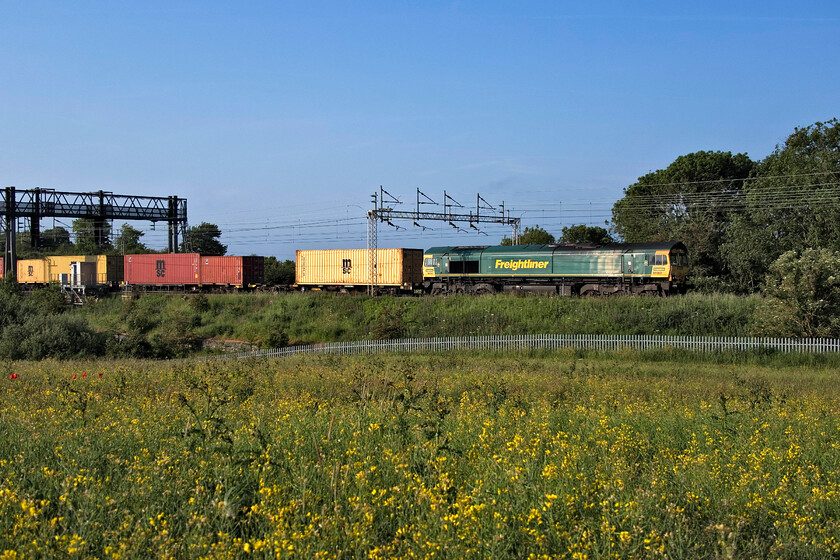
x=271, y=320
x=569, y=455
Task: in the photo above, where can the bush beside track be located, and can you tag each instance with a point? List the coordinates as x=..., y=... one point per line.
x=178, y=326
x=157, y=326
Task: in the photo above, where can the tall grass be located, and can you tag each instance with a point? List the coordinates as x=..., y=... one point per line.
x=313, y=318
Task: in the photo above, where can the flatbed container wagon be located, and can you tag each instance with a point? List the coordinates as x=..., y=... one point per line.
x=349, y=269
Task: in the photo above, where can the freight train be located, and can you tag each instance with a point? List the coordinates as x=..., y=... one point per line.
x=566, y=270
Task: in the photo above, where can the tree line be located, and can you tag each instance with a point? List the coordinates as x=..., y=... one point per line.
x=770, y=226
x=737, y=216
x=203, y=238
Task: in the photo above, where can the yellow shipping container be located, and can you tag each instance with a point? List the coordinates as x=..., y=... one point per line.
x=348, y=268
x=33, y=271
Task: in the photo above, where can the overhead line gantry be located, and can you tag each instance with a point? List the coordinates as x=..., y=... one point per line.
x=98, y=206
x=384, y=212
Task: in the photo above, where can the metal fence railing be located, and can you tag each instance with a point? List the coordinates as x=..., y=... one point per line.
x=558, y=341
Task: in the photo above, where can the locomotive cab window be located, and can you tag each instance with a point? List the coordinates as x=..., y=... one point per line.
x=661, y=260
x=430, y=262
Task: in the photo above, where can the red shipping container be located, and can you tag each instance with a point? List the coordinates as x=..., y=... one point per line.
x=172, y=269
x=232, y=271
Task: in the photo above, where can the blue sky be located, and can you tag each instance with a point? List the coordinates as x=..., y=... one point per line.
x=278, y=120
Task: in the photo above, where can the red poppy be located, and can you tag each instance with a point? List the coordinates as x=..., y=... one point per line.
x=13, y=376
x=84, y=375
x=100, y=375
x=74, y=376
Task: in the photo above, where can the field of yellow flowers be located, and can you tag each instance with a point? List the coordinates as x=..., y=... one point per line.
x=563, y=455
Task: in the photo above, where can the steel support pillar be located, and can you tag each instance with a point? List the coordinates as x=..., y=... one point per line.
x=372, y=246
x=10, y=254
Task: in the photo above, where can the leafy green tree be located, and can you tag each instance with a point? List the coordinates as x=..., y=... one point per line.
x=802, y=295
x=790, y=205
x=277, y=272
x=84, y=231
x=204, y=239
x=531, y=236
x=582, y=233
x=692, y=200
x=128, y=241
x=56, y=239
x=24, y=249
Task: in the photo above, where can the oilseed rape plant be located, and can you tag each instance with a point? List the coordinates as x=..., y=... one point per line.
x=564, y=455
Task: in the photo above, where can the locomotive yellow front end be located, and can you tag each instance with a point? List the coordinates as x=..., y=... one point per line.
x=670, y=268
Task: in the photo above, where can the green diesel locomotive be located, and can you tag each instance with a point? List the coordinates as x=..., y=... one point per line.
x=572, y=269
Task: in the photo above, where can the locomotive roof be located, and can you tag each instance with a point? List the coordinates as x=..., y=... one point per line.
x=619, y=247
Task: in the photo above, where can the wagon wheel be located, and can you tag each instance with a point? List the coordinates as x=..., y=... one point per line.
x=652, y=292
x=483, y=289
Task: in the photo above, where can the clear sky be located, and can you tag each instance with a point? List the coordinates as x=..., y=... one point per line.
x=278, y=120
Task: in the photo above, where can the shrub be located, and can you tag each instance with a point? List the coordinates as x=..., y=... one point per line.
x=389, y=324
x=802, y=295
x=47, y=300
x=50, y=336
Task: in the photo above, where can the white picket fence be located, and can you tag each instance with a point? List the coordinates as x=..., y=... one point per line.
x=558, y=341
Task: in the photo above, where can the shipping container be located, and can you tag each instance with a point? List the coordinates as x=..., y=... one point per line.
x=232, y=271
x=350, y=268
x=109, y=268
x=2, y=268
x=171, y=269
x=33, y=271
